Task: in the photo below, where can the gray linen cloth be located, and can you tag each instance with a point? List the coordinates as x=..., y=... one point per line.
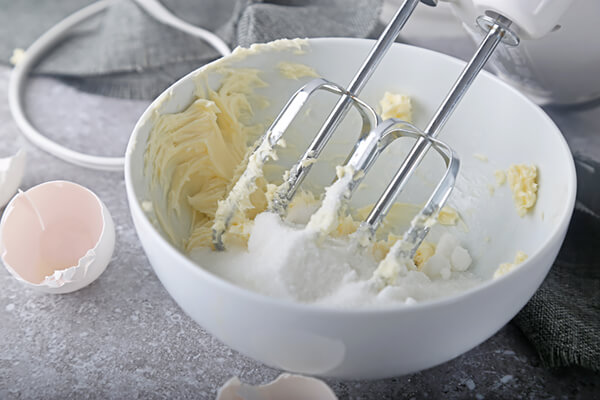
x=126, y=53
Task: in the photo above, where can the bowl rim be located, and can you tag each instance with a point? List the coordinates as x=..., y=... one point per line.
x=183, y=261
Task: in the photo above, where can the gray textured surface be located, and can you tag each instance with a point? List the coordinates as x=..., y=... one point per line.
x=123, y=336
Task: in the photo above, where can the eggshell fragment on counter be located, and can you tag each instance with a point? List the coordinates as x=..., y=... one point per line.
x=284, y=387
x=56, y=237
x=12, y=170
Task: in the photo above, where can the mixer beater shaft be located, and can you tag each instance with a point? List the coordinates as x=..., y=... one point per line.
x=299, y=170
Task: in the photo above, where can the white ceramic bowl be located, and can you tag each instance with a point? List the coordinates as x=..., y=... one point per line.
x=494, y=120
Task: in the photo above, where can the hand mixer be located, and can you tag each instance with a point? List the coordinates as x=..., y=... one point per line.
x=375, y=136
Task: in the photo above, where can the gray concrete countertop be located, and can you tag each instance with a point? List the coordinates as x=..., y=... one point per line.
x=124, y=337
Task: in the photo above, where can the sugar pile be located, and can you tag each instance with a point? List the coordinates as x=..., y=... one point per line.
x=291, y=262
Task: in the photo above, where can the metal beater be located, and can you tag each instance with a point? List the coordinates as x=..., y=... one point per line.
x=375, y=136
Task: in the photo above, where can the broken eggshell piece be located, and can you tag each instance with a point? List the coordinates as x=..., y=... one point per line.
x=285, y=387
x=12, y=170
x=56, y=237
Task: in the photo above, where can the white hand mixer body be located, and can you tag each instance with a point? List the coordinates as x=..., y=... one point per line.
x=561, y=65
x=531, y=19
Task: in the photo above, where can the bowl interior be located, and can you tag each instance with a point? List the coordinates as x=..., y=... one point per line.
x=493, y=120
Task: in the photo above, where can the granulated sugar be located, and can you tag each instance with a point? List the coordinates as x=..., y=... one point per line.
x=291, y=262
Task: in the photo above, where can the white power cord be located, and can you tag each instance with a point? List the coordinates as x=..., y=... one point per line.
x=160, y=13
x=54, y=35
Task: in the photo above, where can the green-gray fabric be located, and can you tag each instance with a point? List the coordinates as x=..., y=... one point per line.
x=126, y=53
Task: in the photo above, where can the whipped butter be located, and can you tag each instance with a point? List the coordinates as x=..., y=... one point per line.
x=296, y=71
x=394, y=105
x=522, y=180
x=195, y=155
x=505, y=268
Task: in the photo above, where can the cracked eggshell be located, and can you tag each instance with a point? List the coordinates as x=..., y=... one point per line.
x=56, y=237
x=284, y=387
x=12, y=170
